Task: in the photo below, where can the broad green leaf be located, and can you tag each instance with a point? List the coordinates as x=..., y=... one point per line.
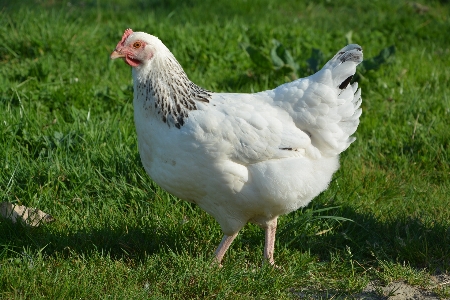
x=316, y=60
x=287, y=70
x=385, y=56
x=287, y=57
x=348, y=37
x=259, y=58
x=276, y=60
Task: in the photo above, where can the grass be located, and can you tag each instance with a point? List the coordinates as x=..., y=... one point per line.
x=68, y=146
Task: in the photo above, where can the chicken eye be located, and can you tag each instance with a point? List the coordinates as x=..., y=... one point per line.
x=137, y=45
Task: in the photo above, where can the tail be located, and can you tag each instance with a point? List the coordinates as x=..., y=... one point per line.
x=328, y=106
x=343, y=65
x=334, y=129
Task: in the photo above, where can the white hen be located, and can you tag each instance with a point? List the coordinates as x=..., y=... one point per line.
x=240, y=157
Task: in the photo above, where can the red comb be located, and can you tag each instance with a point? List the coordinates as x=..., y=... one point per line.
x=125, y=35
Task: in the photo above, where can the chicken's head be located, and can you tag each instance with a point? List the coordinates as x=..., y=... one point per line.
x=135, y=48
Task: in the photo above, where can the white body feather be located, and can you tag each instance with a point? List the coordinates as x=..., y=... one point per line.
x=248, y=157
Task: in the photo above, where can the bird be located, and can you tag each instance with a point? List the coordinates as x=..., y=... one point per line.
x=241, y=157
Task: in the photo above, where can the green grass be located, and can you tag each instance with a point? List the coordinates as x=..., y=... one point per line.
x=68, y=146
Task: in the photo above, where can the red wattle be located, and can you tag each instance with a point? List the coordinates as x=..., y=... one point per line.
x=132, y=62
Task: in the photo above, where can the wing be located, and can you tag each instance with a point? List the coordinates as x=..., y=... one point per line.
x=248, y=129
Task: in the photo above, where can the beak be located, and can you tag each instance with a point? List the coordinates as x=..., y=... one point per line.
x=116, y=54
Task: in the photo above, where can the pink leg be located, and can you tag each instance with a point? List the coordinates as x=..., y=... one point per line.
x=223, y=247
x=269, y=245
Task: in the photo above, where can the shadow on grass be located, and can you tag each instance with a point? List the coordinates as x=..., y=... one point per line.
x=404, y=239
x=401, y=240
x=120, y=242
x=188, y=10
x=94, y=5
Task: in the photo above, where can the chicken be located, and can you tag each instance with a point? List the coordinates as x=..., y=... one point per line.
x=240, y=157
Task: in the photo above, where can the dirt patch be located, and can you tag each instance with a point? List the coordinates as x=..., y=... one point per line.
x=398, y=290
x=395, y=291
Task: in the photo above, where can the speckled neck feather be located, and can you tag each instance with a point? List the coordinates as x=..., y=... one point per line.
x=169, y=92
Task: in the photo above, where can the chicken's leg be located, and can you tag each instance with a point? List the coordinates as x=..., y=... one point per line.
x=223, y=247
x=269, y=245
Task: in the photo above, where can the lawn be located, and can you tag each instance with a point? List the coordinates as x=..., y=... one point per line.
x=68, y=146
